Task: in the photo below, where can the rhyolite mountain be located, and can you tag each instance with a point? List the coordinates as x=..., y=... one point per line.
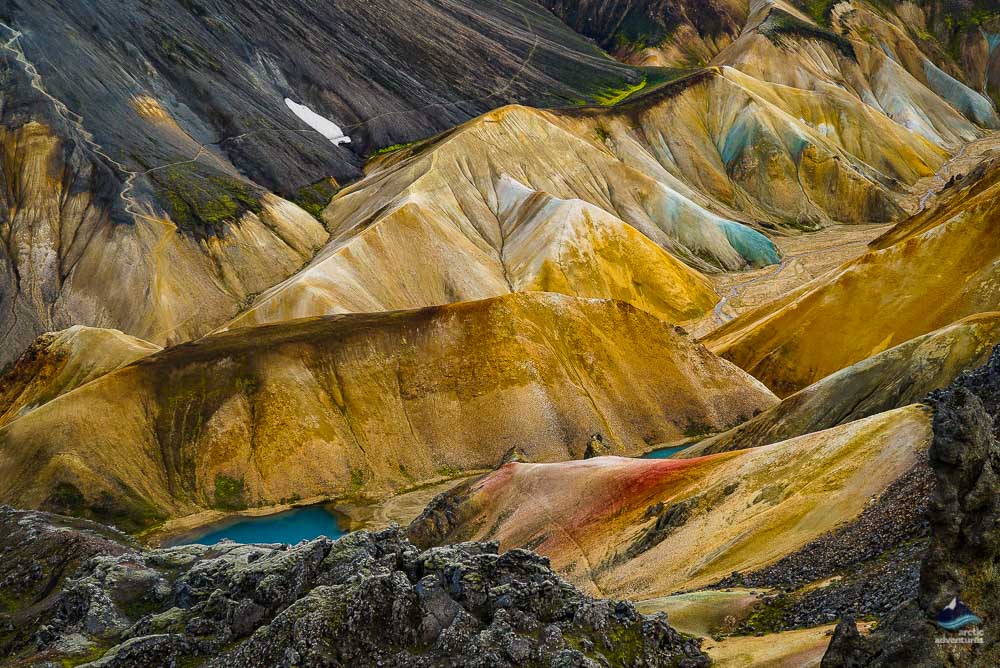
x=137, y=136
x=932, y=270
x=163, y=150
x=356, y=404
x=887, y=516
x=891, y=379
x=644, y=528
x=261, y=253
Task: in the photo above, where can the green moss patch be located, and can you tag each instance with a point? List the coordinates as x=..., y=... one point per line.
x=780, y=24
x=201, y=202
x=230, y=493
x=768, y=616
x=391, y=149
x=611, y=96
x=316, y=197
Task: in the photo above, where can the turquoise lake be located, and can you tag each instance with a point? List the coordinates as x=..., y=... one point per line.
x=287, y=527
x=304, y=523
x=665, y=453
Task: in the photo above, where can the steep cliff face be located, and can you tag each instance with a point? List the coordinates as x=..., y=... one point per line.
x=369, y=403
x=78, y=593
x=965, y=546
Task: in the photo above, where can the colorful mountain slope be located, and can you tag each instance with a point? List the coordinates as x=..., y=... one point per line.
x=897, y=377
x=643, y=528
x=436, y=218
x=452, y=222
x=863, y=56
x=933, y=271
x=65, y=261
x=161, y=189
x=338, y=405
x=150, y=157
x=949, y=46
x=770, y=154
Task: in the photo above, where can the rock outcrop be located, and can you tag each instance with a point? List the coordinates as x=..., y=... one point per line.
x=964, y=556
x=77, y=593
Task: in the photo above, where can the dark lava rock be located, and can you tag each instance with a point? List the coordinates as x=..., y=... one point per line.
x=596, y=447
x=963, y=560
x=438, y=523
x=73, y=592
x=668, y=520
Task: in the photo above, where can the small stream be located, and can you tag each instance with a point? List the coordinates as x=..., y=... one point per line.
x=289, y=527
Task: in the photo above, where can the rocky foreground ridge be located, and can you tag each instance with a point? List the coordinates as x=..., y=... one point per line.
x=964, y=554
x=73, y=592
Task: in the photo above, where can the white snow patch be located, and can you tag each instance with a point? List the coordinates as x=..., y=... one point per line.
x=324, y=126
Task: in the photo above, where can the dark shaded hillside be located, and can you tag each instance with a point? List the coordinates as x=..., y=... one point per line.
x=623, y=26
x=387, y=72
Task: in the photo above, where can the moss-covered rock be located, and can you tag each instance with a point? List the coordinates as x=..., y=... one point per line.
x=319, y=603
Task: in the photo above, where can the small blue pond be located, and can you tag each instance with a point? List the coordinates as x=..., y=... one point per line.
x=287, y=527
x=665, y=453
